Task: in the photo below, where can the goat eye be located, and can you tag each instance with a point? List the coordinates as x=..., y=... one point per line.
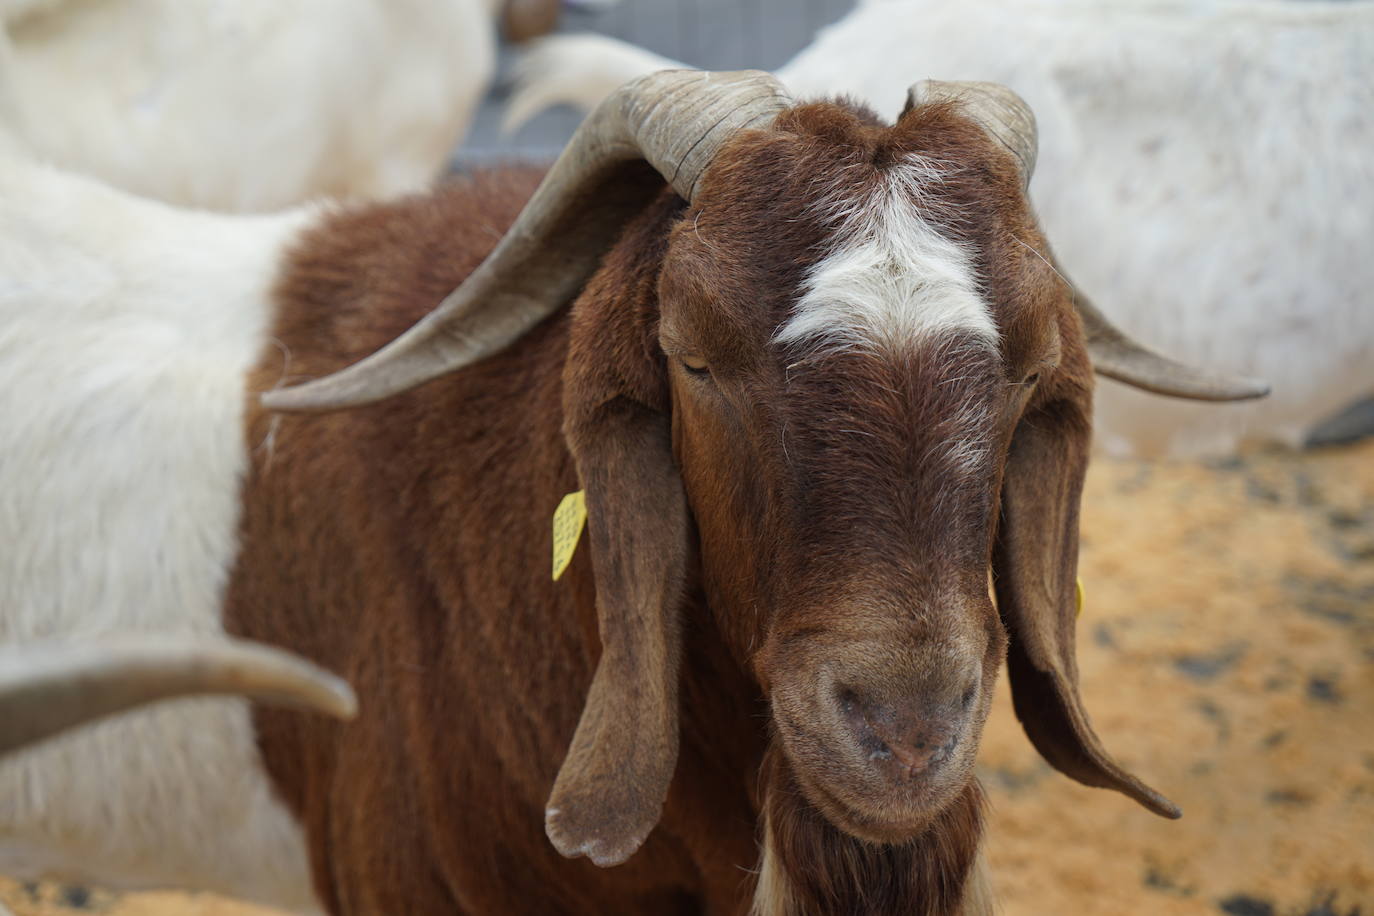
x=695, y=365
x=1030, y=380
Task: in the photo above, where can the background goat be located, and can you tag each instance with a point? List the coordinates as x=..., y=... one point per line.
x=1204, y=178
x=848, y=351
x=252, y=106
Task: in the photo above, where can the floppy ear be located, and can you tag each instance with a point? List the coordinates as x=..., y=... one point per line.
x=1035, y=563
x=610, y=791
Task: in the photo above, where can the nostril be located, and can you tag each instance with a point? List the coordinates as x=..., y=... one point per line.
x=857, y=718
x=919, y=755
x=967, y=699
x=883, y=734
x=848, y=700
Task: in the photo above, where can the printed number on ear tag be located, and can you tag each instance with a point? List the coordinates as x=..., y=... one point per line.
x=568, y=520
x=1078, y=589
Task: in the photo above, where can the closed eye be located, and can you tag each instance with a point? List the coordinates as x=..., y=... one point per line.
x=696, y=365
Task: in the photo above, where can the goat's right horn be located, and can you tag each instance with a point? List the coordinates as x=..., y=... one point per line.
x=46, y=688
x=675, y=120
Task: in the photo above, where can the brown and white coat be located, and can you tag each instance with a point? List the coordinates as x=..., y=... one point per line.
x=811, y=400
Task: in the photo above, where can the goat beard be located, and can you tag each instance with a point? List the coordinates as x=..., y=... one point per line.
x=811, y=866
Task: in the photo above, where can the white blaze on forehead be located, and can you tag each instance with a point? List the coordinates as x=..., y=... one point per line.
x=891, y=279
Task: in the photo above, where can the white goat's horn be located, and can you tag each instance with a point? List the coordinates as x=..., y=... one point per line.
x=675, y=120
x=48, y=687
x=1118, y=357
x=1003, y=114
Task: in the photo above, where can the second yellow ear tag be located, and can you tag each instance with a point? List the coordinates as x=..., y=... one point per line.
x=1078, y=588
x=568, y=520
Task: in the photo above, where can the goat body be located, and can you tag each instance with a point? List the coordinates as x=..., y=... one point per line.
x=796, y=484
x=1203, y=175
x=144, y=408
x=247, y=106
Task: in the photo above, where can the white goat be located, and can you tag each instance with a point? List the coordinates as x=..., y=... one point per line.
x=164, y=309
x=249, y=106
x=1205, y=174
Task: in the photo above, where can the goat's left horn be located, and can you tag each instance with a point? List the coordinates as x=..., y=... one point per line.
x=46, y=688
x=1117, y=356
x=995, y=108
x=1005, y=117
x=674, y=120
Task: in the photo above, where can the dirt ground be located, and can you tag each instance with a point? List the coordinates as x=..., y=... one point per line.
x=1227, y=652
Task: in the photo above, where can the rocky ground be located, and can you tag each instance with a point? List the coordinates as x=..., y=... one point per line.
x=1227, y=652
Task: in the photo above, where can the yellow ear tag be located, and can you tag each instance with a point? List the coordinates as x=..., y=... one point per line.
x=568, y=521
x=1078, y=586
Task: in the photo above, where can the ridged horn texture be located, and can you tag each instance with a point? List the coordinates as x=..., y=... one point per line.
x=48, y=687
x=1003, y=114
x=675, y=121
x=1118, y=357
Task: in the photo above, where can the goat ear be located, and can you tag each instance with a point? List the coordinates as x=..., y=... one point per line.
x=1035, y=563
x=610, y=791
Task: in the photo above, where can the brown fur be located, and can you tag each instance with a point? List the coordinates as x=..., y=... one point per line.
x=823, y=870
x=786, y=520
x=522, y=20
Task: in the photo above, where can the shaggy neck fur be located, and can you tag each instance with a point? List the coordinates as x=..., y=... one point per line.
x=810, y=867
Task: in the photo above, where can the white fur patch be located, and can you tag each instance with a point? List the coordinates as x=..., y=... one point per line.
x=773, y=892
x=891, y=279
x=126, y=329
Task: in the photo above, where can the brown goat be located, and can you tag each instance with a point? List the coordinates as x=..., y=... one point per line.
x=809, y=407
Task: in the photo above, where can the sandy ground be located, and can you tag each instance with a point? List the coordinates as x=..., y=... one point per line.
x=1227, y=650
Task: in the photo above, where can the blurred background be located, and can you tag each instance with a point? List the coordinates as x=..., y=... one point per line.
x=708, y=34
x=1227, y=640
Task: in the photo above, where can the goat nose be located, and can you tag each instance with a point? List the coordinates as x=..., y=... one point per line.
x=919, y=752
x=904, y=744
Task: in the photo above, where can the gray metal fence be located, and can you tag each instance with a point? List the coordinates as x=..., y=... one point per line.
x=712, y=34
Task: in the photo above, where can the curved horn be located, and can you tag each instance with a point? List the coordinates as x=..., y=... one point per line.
x=675, y=120
x=47, y=688
x=995, y=108
x=1007, y=118
x=1118, y=357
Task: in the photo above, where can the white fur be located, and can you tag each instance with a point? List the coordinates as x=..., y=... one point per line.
x=126, y=329
x=892, y=280
x=246, y=106
x=979, y=898
x=773, y=892
x=1204, y=175
x=578, y=70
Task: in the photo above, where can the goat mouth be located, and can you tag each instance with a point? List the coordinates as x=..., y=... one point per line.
x=865, y=805
x=890, y=824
